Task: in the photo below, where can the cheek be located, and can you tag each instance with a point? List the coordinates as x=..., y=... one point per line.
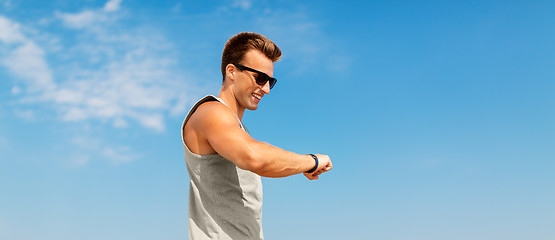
x=247, y=84
x=243, y=87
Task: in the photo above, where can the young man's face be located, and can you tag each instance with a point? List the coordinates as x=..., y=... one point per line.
x=247, y=92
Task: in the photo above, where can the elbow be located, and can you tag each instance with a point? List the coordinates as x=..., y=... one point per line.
x=255, y=163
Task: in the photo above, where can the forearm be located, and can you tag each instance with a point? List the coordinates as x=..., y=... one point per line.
x=271, y=161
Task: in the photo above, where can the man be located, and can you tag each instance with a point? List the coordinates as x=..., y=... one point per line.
x=223, y=161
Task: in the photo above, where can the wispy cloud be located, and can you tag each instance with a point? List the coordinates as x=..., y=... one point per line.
x=27, y=61
x=79, y=20
x=27, y=115
x=298, y=34
x=9, y=31
x=112, y=5
x=119, y=155
x=93, y=148
x=7, y=4
x=94, y=69
x=243, y=4
x=110, y=72
x=23, y=57
x=91, y=17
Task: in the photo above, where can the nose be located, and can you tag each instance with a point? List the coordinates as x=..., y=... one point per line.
x=266, y=88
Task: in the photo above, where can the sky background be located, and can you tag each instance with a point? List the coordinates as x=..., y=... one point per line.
x=439, y=116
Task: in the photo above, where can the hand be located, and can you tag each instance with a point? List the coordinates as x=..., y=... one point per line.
x=324, y=165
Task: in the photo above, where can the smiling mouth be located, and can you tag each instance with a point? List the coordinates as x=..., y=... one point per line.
x=257, y=96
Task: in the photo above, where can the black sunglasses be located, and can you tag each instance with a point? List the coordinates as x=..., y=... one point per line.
x=261, y=78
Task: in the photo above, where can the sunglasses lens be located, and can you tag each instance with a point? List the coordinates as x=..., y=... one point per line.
x=261, y=79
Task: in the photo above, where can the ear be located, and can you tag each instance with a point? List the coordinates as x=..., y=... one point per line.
x=230, y=71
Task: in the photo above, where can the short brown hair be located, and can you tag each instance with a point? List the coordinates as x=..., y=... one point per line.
x=237, y=46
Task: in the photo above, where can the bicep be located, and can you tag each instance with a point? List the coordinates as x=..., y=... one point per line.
x=228, y=139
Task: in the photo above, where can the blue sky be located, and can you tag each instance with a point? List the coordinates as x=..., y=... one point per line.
x=438, y=115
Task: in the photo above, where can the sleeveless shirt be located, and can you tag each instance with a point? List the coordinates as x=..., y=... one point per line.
x=225, y=201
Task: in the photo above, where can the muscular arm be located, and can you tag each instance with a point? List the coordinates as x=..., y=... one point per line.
x=221, y=129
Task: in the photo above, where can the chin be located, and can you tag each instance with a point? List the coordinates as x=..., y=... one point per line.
x=252, y=108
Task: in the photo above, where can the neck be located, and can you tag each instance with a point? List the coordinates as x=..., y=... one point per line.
x=232, y=103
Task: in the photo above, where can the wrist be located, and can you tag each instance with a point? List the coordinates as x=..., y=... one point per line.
x=315, y=163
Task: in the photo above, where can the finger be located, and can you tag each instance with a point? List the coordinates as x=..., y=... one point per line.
x=310, y=176
x=328, y=166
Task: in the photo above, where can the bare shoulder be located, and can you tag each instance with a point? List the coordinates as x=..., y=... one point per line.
x=210, y=120
x=212, y=114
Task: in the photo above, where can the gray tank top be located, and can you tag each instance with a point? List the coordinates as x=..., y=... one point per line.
x=225, y=202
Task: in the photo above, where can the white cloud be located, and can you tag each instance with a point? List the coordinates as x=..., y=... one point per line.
x=243, y=4
x=16, y=90
x=139, y=85
x=24, y=59
x=112, y=5
x=94, y=148
x=27, y=115
x=100, y=71
x=80, y=20
x=154, y=121
x=74, y=114
x=110, y=73
x=119, y=155
x=79, y=160
x=10, y=31
x=120, y=123
x=90, y=17
x=27, y=62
